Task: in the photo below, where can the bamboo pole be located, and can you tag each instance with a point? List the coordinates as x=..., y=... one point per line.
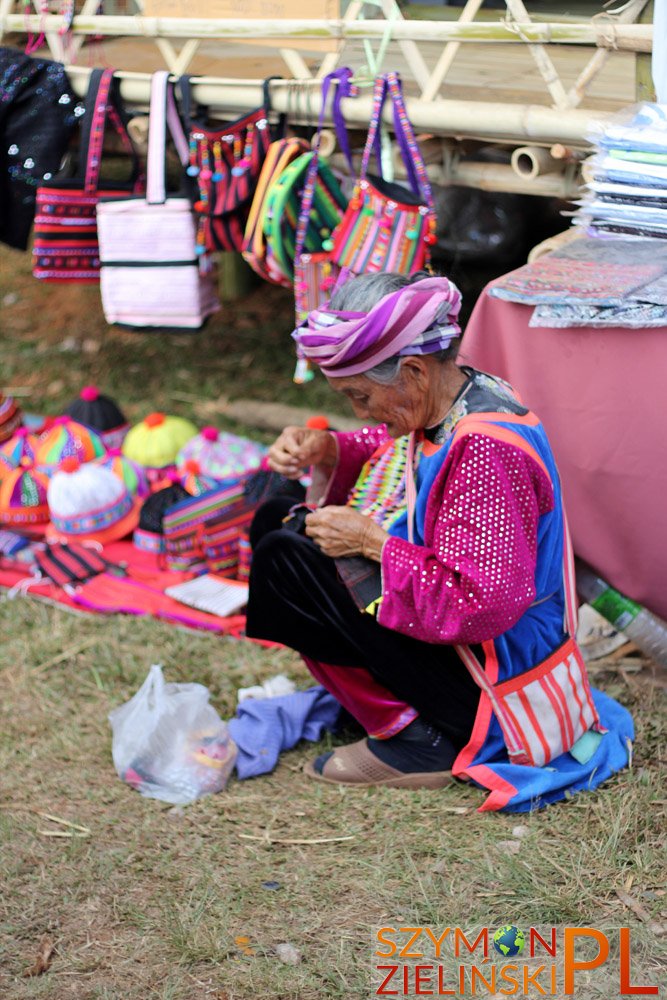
x=627, y=15
x=530, y=162
x=444, y=63
x=631, y=37
x=494, y=121
x=501, y=177
x=517, y=10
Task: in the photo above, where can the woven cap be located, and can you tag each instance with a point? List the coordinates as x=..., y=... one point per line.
x=89, y=501
x=67, y=438
x=23, y=497
x=10, y=417
x=156, y=441
x=19, y=450
x=96, y=410
x=221, y=455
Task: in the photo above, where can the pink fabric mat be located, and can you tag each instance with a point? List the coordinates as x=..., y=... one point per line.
x=601, y=397
x=140, y=594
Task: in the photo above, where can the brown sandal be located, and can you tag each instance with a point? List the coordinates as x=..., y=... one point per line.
x=357, y=765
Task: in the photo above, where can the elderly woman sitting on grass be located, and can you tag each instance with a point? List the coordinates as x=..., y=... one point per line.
x=429, y=587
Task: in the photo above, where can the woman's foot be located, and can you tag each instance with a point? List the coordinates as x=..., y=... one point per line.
x=420, y=756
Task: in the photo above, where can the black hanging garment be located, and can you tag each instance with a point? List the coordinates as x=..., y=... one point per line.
x=38, y=111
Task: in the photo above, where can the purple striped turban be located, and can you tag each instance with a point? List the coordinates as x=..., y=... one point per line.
x=417, y=319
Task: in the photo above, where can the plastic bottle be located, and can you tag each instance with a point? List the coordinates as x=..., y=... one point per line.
x=646, y=630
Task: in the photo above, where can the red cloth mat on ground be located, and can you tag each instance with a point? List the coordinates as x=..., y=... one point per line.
x=141, y=592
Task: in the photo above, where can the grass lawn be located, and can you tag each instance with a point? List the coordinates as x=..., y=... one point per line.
x=187, y=904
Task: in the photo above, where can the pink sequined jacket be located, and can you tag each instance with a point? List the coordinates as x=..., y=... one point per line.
x=472, y=576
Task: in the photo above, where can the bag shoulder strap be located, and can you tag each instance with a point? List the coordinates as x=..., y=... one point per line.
x=342, y=79
x=92, y=132
x=103, y=102
x=373, y=136
x=407, y=142
x=162, y=113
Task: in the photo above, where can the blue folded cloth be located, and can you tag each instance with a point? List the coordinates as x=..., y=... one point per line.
x=264, y=727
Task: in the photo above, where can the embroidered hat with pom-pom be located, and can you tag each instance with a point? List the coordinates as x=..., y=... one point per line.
x=23, y=497
x=101, y=413
x=19, y=450
x=10, y=417
x=67, y=439
x=221, y=455
x=89, y=502
x=156, y=441
x=129, y=472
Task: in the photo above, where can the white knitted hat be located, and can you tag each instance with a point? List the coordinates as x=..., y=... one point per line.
x=89, y=501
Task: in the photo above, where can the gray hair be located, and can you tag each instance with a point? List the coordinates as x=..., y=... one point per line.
x=360, y=294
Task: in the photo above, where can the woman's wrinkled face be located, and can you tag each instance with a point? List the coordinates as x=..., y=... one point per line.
x=401, y=405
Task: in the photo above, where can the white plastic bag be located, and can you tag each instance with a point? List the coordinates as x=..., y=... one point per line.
x=169, y=743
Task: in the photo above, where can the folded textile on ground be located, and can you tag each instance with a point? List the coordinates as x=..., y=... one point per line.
x=263, y=728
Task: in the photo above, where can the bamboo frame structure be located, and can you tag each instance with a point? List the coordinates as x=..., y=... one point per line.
x=474, y=119
x=628, y=37
x=535, y=128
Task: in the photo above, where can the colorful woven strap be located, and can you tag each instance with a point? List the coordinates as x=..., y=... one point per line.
x=407, y=142
x=344, y=88
x=102, y=102
x=389, y=84
x=373, y=135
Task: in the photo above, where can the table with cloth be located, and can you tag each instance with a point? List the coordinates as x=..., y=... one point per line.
x=600, y=393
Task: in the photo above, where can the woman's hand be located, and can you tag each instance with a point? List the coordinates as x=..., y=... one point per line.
x=298, y=448
x=341, y=531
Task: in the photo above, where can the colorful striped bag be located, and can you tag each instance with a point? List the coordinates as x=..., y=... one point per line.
x=283, y=207
x=65, y=244
x=221, y=539
x=387, y=226
x=184, y=525
x=255, y=250
x=225, y=162
x=544, y=712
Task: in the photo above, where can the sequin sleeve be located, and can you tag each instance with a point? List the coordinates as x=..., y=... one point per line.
x=354, y=449
x=475, y=577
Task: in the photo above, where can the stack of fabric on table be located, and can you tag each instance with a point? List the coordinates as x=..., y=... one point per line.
x=593, y=282
x=627, y=190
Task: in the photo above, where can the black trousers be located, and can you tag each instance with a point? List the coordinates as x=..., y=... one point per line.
x=297, y=599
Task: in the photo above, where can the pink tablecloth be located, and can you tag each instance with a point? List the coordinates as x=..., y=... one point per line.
x=601, y=395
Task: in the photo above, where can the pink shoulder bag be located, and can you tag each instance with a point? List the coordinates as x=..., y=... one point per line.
x=152, y=273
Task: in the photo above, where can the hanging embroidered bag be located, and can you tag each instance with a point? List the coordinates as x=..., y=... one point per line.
x=388, y=226
x=314, y=272
x=65, y=239
x=255, y=250
x=283, y=205
x=152, y=275
x=225, y=163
